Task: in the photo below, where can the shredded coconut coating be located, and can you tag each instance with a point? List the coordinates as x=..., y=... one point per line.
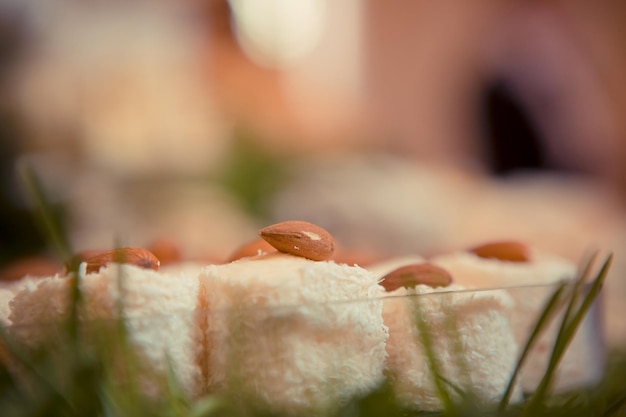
x=471, y=337
x=530, y=285
x=288, y=332
x=160, y=311
x=8, y=291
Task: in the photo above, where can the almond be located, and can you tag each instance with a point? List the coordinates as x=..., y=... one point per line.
x=80, y=257
x=253, y=248
x=409, y=276
x=34, y=266
x=300, y=238
x=134, y=256
x=355, y=256
x=504, y=250
x=166, y=250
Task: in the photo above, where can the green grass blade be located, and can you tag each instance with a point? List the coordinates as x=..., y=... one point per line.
x=459, y=391
x=592, y=294
x=458, y=355
x=43, y=211
x=34, y=371
x=573, y=302
x=566, y=334
x=615, y=406
x=76, y=297
x=176, y=400
x=544, y=320
x=425, y=339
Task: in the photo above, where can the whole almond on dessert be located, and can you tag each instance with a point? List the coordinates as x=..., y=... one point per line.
x=252, y=248
x=504, y=250
x=355, y=256
x=71, y=265
x=300, y=238
x=134, y=256
x=409, y=276
x=34, y=266
x=166, y=250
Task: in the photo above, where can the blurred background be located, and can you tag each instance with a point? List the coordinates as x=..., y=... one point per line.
x=402, y=127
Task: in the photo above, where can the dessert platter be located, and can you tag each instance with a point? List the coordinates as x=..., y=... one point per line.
x=287, y=326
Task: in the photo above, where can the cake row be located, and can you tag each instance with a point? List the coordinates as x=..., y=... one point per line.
x=293, y=333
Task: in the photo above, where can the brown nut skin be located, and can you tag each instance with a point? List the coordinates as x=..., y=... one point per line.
x=510, y=251
x=355, y=256
x=300, y=238
x=71, y=265
x=409, y=276
x=34, y=266
x=166, y=250
x=253, y=248
x=134, y=256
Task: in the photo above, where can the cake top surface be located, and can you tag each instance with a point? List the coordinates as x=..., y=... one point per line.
x=283, y=279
